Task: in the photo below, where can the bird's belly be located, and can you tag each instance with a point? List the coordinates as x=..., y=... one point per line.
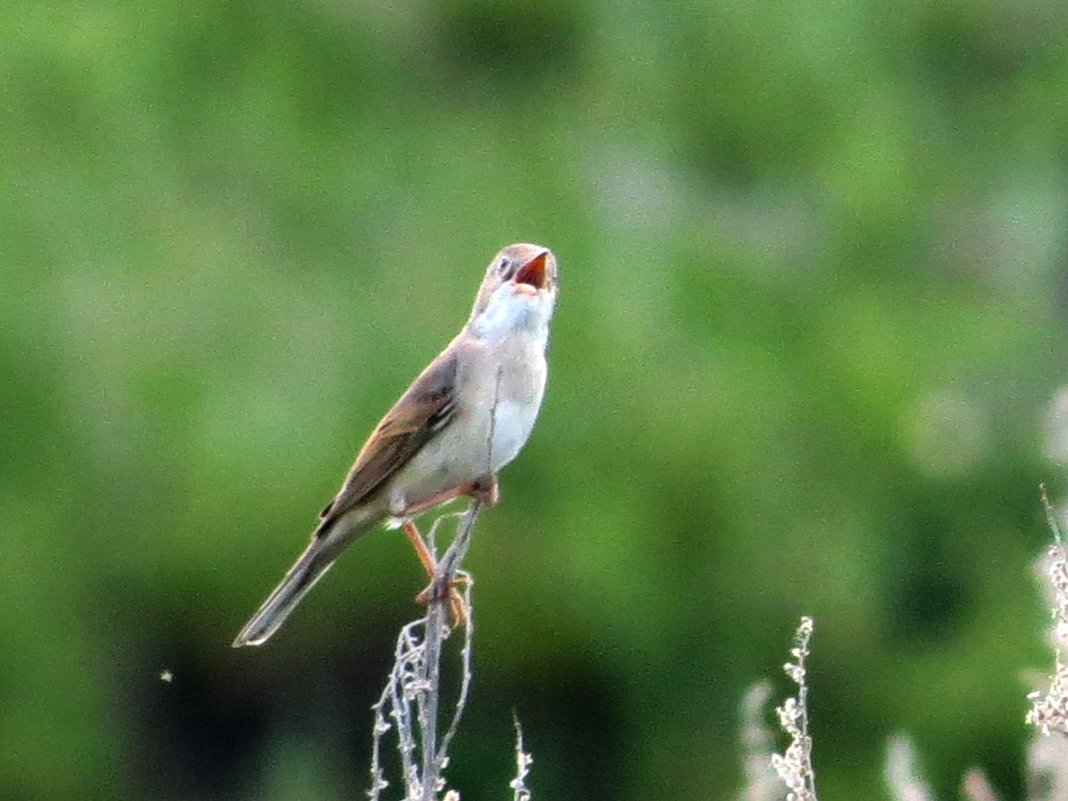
x=511, y=428
x=474, y=447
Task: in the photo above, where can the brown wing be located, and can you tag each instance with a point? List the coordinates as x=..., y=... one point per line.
x=424, y=410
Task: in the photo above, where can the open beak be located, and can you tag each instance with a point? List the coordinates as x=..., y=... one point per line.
x=533, y=272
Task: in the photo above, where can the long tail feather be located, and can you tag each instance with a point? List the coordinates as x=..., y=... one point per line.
x=309, y=568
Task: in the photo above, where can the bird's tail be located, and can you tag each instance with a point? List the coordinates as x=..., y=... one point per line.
x=300, y=578
x=331, y=537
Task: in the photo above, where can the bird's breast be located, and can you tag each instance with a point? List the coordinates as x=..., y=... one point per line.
x=511, y=385
x=511, y=427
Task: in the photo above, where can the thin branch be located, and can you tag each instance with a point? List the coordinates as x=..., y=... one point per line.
x=795, y=765
x=523, y=760
x=410, y=701
x=1051, y=518
x=1049, y=710
x=437, y=631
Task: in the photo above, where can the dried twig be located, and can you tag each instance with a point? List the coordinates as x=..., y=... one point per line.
x=795, y=766
x=410, y=702
x=520, y=792
x=1049, y=710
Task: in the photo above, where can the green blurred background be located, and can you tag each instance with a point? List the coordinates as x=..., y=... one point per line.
x=810, y=333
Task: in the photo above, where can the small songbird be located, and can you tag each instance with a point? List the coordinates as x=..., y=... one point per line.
x=466, y=416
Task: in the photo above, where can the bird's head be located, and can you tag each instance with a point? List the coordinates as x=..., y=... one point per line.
x=518, y=292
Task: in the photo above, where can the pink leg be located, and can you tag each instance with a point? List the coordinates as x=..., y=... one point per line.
x=456, y=603
x=423, y=552
x=484, y=490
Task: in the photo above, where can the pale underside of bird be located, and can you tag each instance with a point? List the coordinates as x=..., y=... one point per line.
x=465, y=417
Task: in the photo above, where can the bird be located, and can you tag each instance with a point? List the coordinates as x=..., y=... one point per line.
x=462, y=419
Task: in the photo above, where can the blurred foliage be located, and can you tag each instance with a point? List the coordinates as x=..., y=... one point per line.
x=810, y=328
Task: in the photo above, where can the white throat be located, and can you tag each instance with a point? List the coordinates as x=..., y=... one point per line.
x=509, y=313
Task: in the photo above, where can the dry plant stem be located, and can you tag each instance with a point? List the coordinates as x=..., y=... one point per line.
x=447, y=574
x=411, y=698
x=436, y=632
x=520, y=792
x=1049, y=710
x=795, y=765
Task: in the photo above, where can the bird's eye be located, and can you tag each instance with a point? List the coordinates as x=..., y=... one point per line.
x=502, y=266
x=506, y=268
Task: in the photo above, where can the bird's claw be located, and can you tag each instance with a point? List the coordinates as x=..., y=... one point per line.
x=440, y=590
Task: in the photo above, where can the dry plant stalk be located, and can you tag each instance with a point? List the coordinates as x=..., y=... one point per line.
x=795, y=765
x=411, y=700
x=520, y=792
x=1049, y=710
x=1047, y=756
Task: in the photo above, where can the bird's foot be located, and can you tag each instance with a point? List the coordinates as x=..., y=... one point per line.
x=436, y=591
x=486, y=490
